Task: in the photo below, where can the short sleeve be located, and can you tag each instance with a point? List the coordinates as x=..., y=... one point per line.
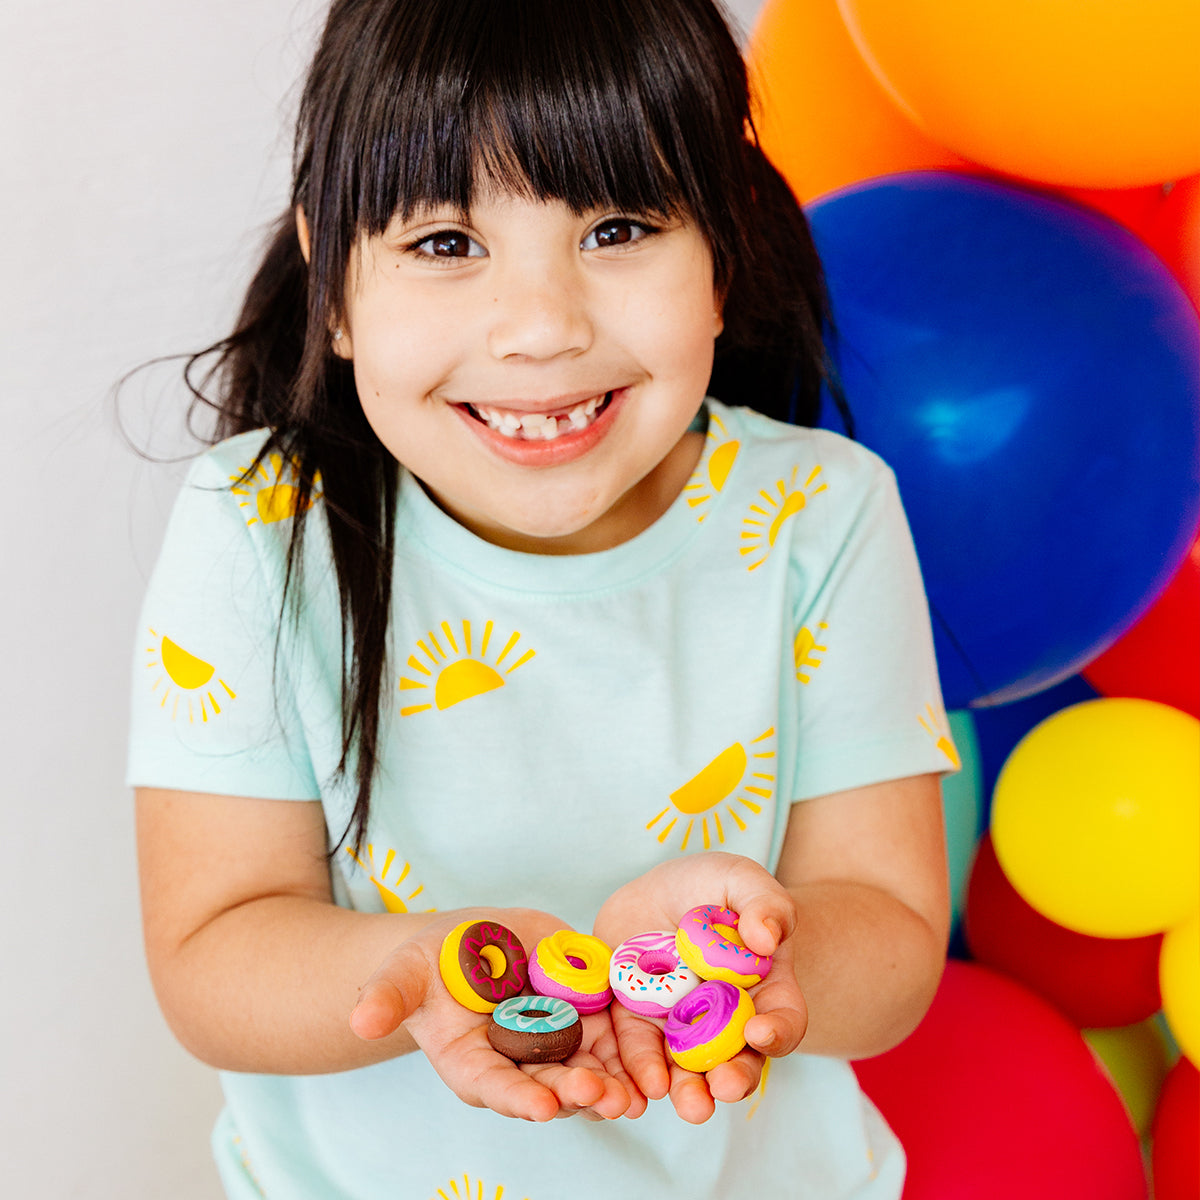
x=212, y=708
x=869, y=701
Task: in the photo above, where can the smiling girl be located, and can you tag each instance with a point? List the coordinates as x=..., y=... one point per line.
x=517, y=585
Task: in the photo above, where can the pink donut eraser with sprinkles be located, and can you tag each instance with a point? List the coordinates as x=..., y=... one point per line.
x=647, y=975
x=708, y=941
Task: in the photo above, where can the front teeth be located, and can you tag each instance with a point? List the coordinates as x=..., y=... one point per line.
x=539, y=426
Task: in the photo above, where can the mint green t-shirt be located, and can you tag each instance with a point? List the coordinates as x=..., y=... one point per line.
x=554, y=727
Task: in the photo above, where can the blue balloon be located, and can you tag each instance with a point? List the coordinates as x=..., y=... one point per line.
x=1031, y=372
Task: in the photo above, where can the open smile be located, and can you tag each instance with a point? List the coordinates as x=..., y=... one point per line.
x=541, y=426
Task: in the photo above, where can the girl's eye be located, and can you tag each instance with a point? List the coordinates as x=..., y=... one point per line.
x=619, y=231
x=449, y=243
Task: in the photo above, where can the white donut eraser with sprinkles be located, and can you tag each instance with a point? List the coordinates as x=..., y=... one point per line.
x=708, y=941
x=647, y=975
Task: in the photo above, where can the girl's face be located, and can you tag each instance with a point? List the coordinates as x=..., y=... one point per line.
x=536, y=369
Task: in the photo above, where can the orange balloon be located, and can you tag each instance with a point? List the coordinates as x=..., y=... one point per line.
x=1096, y=95
x=822, y=117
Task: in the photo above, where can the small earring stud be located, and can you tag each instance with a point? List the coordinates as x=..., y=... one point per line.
x=337, y=334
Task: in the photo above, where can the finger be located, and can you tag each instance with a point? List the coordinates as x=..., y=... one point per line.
x=766, y=911
x=483, y=1078
x=781, y=1013
x=605, y=1049
x=392, y=994
x=614, y=1099
x=734, y=1080
x=641, y=1052
x=574, y=1086
x=690, y=1096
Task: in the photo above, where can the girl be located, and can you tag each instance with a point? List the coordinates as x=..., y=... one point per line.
x=479, y=606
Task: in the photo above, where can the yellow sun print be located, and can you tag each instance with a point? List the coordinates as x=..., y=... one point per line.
x=183, y=679
x=266, y=493
x=709, y=477
x=394, y=887
x=737, y=778
x=762, y=524
x=940, y=733
x=468, y=1191
x=806, y=649
x=454, y=674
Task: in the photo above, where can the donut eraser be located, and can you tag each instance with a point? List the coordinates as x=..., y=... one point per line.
x=647, y=975
x=708, y=1026
x=483, y=963
x=573, y=967
x=535, y=1029
x=708, y=941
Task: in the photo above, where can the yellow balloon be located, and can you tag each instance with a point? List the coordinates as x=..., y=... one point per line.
x=1179, y=978
x=822, y=117
x=1136, y=1060
x=1096, y=817
x=1102, y=94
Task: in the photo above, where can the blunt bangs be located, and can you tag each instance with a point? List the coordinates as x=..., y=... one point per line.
x=626, y=105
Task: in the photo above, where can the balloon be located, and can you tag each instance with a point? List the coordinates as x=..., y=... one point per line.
x=1175, y=1145
x=1101, y=95
x=996, y=1096
x=1179, y=978
x=1092, y=981
x=1096, y=817
x=822, y=116
x=1159, y=658
x=1031, y=371
x=1175, y=234
x=962, y=804
x=1135, y=1057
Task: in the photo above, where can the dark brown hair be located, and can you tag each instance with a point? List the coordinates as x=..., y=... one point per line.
x=638, y=106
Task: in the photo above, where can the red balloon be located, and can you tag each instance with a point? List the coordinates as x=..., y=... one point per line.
x=997, y=1096
x=1175, y=234
x=1159, y=657
x=1175, y=1136
x=1096, y=982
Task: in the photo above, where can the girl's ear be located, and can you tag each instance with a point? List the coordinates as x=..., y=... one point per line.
x=302, y=233
x=339, y=340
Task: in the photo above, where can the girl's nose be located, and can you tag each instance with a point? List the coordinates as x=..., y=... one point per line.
x=539, y=313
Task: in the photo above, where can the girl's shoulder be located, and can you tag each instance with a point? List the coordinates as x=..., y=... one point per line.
x=242, y=488
x=768, y=442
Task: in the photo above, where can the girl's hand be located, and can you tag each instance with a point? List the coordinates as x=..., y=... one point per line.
x=767, y=918
x=407, y=989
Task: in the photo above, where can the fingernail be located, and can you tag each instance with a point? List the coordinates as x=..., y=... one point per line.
x=775, y=928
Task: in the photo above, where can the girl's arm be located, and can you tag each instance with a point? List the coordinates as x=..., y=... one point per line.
x=256, y=969
x=857, y=918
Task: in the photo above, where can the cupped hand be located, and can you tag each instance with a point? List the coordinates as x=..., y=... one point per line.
x=767, y=919
x=406, y=989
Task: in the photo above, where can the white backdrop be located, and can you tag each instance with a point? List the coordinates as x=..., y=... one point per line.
x=143, y=149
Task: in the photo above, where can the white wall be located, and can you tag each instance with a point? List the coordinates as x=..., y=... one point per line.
x=142, y=150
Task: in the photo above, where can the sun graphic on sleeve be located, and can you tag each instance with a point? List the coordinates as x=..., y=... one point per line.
x=937, y=729
x=468, y=1191
x=455, y=674
x=390, y=886
x=710, y=476
x=805, y=650
x=184, y=678
x=267, y=494
x=762, y=524
x=718, y=783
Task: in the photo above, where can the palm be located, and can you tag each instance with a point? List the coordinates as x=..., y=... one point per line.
x=408, y=989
